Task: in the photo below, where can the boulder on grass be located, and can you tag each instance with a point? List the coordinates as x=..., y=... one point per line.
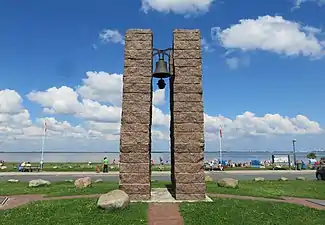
x=257, y=179
x=116, y=199
x=99, y=181
x=38, y=183
x=208, y=179
x=228, y=183
x=301, y=178
x=13, y=181
x=83, y=182
x=283, y=179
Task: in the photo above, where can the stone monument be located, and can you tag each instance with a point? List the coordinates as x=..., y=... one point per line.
x=187, y=117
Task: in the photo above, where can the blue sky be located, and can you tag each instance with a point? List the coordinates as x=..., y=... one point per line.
x=263, y=66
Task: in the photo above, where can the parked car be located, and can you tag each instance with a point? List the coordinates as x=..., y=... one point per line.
x=320, y=173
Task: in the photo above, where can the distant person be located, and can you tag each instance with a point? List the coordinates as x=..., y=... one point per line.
x=41, y=164
x=105, y=165
x=20, y=168
x=161, y=161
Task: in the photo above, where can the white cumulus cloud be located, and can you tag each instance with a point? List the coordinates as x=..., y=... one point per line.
x=273, y=34
x=177, y=6
x=111, y=36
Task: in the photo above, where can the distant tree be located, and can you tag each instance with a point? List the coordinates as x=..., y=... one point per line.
x=311, y=155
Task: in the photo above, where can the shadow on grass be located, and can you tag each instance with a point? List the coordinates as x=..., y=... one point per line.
x=171, y=190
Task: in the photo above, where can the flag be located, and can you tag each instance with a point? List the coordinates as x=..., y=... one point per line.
x=45, y=126
x=220, y=132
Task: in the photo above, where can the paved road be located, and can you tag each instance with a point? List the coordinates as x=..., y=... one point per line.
x=162, y=176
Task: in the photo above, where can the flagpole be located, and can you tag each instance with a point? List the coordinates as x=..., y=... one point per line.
x=43, y=143
x=220, y=145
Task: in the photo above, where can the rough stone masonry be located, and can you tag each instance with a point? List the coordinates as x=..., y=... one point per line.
x=135, y=134
x=187, y=120
x=187, y=117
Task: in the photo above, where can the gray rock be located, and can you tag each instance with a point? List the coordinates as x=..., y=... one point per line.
x=283, y=179
x=257, y=179
x=228, y=183
x=208, y=179
x=13, y=181
x=116, y=199
x=83, y=182
x=301, y=178
x=38, y=183
x=99, y=181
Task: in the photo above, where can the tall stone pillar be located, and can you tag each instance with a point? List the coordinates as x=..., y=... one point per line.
x=187, y=117
x=135, y=134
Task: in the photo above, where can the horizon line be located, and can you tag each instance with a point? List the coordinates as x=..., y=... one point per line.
x=157, y=151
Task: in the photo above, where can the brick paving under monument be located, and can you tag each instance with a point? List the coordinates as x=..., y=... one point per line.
x=187, y=118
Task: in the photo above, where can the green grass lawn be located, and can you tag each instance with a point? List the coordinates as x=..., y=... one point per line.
x=246, y=212
x=62, y=188
x=75, y=211
x=274, y=189
x=222, y=211
x=269, y=189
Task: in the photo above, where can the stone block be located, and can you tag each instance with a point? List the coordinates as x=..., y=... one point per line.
x=137, y=88
x=193, y=188
x=135, y=178
x=134, y=167
x=189, y=71
x=181, y=79
x=192, y=35
x=132, y=44
x=138, y=63
x=142, y=108
x=187, y=88
x=188, y=106
x=187, y=54
x=135, y=117
x=139, y=71
x=138, y=97
x=186, y=137
x=188, y=117
x=137, y=54
x=187, y=45
x=189, y=167
x=188, y=147
x=186, y=63
x=187, y=31
x=188, y=127
x=135, y=127
x=138, y=79
x=135, y=158
x=134, y=148
x=190, y=197
x=189, y=157
x=189, y=178
x=135, y=188
x=188, y=97
x=132, y=138
x=138, y=31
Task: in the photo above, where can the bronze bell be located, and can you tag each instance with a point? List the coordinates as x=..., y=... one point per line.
x=161, y=70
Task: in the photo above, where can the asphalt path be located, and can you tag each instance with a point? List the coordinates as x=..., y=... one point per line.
x=242, y=175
